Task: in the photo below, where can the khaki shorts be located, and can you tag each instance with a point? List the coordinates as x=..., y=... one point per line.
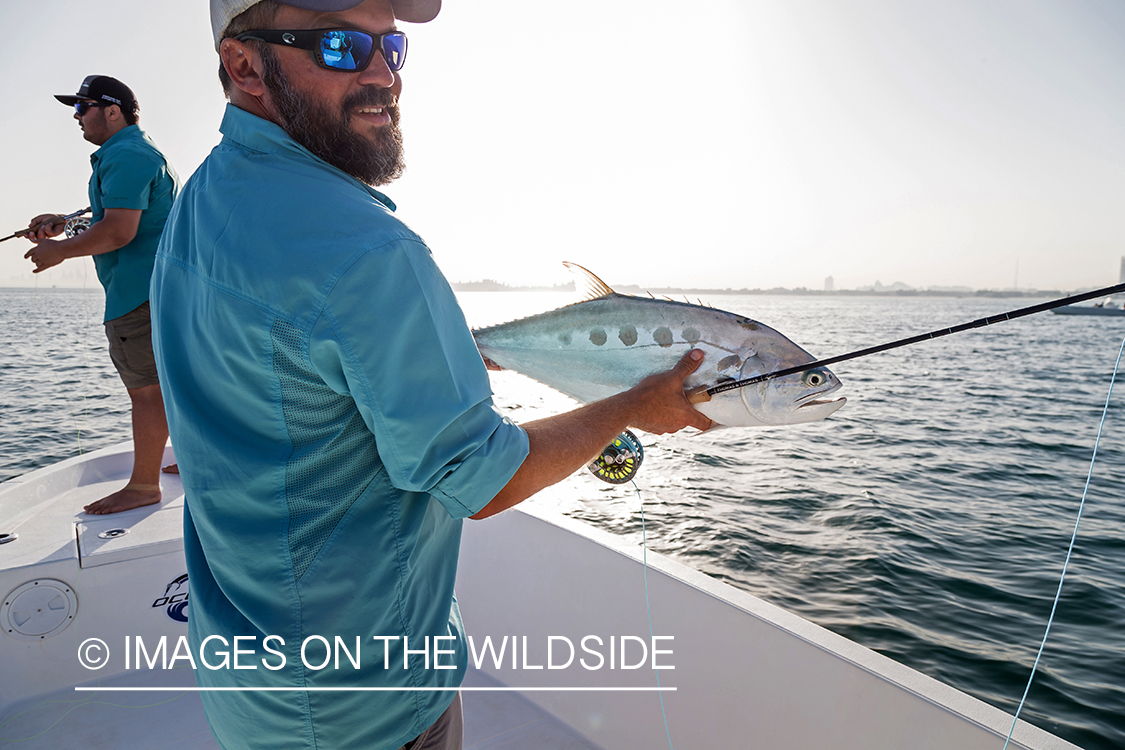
x=444, y=734
x=130, y=348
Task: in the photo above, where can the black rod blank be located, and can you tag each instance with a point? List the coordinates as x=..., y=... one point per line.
x=980, y=323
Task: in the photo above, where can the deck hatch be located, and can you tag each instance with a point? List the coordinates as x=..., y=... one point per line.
x=38, y=609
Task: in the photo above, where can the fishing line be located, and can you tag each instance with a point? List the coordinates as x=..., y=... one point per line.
x=78, y=703
x=704, y=394
x=78, y=426
x=73, y=227
x=648, y=608
x=1070, y=550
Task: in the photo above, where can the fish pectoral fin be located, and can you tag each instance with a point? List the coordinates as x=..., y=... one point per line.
x=590, y=286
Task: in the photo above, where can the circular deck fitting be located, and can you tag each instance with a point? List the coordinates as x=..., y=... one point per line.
x=6, y=538
x=38, y=610
x=112, y=533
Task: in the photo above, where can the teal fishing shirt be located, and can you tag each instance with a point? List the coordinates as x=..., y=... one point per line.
x=333, y=424
x=130, y=172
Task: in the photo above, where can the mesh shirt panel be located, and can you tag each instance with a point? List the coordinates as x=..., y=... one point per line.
x=333, y=457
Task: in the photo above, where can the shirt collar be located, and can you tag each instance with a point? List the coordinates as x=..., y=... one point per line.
x=257, y=134
x=126, y=133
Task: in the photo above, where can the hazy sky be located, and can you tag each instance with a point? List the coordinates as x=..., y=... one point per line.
x=743, y=143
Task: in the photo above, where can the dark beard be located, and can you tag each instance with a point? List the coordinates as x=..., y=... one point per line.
x=329, y=135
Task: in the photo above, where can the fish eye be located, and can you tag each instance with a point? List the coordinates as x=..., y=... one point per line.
x=815, y=379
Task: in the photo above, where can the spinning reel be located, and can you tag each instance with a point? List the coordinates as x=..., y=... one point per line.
x=619, y=461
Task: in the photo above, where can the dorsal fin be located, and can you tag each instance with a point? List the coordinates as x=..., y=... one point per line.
x=589, y=285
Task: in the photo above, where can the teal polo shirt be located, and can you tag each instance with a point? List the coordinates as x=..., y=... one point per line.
x=130, y=172
x=333, y=424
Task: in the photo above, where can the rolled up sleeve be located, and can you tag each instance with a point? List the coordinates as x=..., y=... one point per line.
x=393, y=337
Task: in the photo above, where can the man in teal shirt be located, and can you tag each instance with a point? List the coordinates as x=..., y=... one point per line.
x=131, y=192
x=332, y=417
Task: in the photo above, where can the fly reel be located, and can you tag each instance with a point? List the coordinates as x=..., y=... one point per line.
x=77, y=225
x=619, y=461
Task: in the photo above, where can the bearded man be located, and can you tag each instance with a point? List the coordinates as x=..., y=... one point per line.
x=332, y=417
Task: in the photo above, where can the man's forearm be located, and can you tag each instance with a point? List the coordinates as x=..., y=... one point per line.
x=562, y=444
x=559, y=446
x=99, y=239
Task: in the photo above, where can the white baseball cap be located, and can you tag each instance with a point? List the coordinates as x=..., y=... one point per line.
x=411, y=11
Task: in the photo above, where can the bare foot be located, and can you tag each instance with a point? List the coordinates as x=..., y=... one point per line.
x=127, y=498
x=171, y=469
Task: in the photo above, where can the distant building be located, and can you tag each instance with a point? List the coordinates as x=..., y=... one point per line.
x=830, y=283
x=879, y=286
x=1122, y=278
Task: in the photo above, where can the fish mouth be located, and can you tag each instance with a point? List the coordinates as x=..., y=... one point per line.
x=815, y=398
x=816, y=409
x=833, y=402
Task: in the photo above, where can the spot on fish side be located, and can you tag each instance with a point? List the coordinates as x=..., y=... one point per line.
x=726, y=363
x=598, y=337
x=564, y=338
x=691, y=335
x=628, y=335
x=748, y=324
x=662, y=336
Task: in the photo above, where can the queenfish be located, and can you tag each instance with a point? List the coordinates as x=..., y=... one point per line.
x=609, y=342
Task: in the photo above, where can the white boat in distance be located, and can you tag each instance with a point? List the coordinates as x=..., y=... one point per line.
x=746, y=673
x=1106, y=307
x=1102, y=308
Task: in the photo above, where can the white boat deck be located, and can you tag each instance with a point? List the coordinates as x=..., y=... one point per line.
x=506, y=721
x=745, y=672
x=66, y=718
x=175, y=720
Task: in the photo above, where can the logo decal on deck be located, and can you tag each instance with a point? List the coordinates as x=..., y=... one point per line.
x=175, y=599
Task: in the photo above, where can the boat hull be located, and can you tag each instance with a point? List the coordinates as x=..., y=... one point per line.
x=747, y=673
x=742, y=667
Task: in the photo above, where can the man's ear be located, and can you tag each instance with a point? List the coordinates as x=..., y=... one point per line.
x=243, y=65
x=112, y=113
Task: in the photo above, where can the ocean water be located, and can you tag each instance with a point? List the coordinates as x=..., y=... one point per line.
x=928, y=519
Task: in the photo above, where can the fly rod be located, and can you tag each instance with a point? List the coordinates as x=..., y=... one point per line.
x=53, y=222
x=703, y=393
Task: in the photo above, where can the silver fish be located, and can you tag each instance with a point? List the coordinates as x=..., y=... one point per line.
x=610, y=342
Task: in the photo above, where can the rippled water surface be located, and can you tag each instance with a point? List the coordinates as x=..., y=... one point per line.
x=928, y=519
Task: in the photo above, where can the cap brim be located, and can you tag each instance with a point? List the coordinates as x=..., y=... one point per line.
x=411, y=11
x=416, y=11
x=69, y=101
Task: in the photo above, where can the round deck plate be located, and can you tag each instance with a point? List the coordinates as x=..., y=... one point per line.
x=38, y=610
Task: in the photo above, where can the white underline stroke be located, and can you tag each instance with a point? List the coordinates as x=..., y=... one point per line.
x=369, y=689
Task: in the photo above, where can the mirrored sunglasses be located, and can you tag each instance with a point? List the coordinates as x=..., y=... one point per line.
x=83, y=107
x=338, y=49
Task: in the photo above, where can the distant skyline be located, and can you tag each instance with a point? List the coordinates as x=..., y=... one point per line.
x=748, y=145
